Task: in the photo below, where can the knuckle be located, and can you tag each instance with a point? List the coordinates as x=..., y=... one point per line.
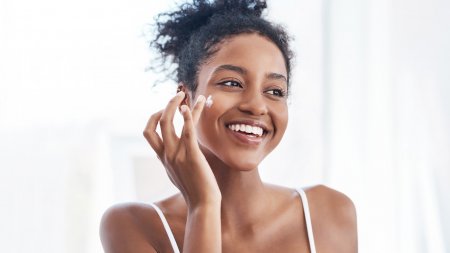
x=155, y=116
x=178, y=160
x=164, y=121
x=172, y=160
x=187, y=134
x=148, y=133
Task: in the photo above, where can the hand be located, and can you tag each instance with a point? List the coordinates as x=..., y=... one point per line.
x=185, y=164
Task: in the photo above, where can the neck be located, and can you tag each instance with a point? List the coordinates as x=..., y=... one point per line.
x=244, y=195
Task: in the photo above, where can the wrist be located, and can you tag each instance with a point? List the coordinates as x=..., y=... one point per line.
x=204, y=212
x=207, y=204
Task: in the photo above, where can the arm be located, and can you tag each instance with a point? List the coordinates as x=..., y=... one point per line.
x=189, y=171
x=203, y=229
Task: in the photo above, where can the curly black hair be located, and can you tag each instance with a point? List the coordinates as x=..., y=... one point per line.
x=189, y=36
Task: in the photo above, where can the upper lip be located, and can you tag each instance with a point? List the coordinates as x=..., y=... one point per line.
x=251, y=123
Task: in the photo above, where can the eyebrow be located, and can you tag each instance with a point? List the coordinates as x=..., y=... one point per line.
x=234, y=68
x=275, y=76
x=243, y=71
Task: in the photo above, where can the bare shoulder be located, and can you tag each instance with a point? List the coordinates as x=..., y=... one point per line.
x=334, y=220
x=137, y=227
x=127, y=228
x=337, y=203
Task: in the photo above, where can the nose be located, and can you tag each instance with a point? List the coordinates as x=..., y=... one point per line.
x=253, y=103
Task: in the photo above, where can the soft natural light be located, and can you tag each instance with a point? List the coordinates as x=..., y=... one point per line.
x=369, y=116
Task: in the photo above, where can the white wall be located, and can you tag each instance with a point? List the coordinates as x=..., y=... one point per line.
x=368, y=116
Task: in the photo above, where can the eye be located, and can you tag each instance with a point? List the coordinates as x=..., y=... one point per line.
x=277, y=92
x=230, y=83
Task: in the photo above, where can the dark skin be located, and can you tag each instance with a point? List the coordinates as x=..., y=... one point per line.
x=223, y=205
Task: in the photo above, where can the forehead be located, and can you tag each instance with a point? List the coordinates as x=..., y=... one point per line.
x=251, y=51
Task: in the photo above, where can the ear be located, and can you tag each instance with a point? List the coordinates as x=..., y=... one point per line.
x=187, y=98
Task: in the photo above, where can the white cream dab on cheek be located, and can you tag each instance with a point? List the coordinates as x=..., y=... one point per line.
x=209, y=101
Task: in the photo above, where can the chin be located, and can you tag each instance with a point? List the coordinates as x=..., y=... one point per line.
x=234, y=162
x=244, y=165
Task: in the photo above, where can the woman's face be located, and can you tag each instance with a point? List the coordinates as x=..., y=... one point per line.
x=247, y=80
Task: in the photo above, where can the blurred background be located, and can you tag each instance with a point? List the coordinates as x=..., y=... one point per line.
x=369, y=116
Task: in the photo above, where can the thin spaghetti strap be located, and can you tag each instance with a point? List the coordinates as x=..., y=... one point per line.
x=309, y=229
x=167, y=228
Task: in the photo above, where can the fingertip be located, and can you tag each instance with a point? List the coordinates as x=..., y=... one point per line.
x=183, y=108
x=200, y=99
x=199, y=104
x=180, y=94
x=186, y=113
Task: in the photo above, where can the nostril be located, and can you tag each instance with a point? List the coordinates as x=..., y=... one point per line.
x=254, y=107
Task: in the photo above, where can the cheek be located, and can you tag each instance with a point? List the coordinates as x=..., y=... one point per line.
x=210, y=123
x=280, y=119
x=283, y=118
x=206, y=126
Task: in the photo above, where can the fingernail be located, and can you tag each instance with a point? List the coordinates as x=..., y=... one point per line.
x=200, y=98
x=183, y=108
x=180, y=94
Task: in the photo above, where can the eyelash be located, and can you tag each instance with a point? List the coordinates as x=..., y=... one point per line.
x=231, y=81
x=280, y=92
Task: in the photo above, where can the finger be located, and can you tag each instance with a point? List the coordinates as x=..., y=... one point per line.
x=166, y=122
x=189, y=135
x=152, y=136
x=198, y=108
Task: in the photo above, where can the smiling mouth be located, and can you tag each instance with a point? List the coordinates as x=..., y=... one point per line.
x=250, y=130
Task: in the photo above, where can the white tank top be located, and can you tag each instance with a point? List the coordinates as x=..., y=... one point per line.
x=305, y=210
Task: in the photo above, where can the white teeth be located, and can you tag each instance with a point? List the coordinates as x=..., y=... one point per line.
x=247, y=129
x=255, y=130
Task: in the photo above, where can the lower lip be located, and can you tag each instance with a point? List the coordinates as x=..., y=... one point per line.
x=245, y=139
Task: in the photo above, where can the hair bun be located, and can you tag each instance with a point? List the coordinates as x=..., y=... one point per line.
x=175, y=28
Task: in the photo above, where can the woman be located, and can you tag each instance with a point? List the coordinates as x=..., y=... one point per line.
x=227, y=52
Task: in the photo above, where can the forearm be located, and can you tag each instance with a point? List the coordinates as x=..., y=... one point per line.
x=203, y=230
